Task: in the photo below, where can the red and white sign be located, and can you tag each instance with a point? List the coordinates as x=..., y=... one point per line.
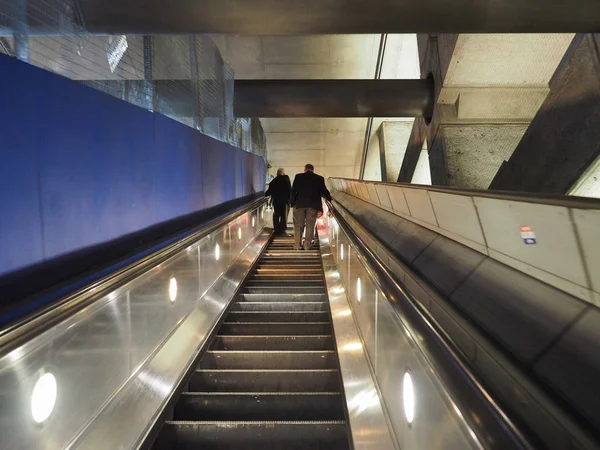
x=527, y=234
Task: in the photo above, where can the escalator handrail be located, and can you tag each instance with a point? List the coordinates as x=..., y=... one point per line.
x=43, y=319
x=486, y=418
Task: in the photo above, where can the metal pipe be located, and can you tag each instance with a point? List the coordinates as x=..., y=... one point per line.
x=333, y=98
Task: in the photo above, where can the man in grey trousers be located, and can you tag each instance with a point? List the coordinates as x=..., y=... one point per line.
x=307, y=191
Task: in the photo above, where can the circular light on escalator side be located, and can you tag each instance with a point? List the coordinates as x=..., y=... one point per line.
x=43, y=397
x=172, y=289
x=217, y=252
x=358, y=289
x=240, y=233
x=342, y=252
x=262, y=213
x=253, y=221
x=408, y=396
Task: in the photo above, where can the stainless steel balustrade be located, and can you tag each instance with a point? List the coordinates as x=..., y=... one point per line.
x=76, y=366
x=431, y=397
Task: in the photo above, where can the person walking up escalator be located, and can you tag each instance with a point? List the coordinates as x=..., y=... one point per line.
x=306, y=200
x=280, y=189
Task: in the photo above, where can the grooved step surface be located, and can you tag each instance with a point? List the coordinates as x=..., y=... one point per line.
x=259, y=406
x=270, y=379
x=309, y=435
x=323, y=342
x=308, y=380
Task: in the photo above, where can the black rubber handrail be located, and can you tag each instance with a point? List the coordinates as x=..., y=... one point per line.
x=492, y=426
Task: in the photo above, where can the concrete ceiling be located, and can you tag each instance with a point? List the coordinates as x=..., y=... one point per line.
x=333, y=145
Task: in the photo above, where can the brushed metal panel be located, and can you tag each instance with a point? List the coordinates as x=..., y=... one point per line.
x=517, y=396
x=572, y=366
x=588, y=226
x=553, y=230
x=411, y=239
x=397, y=354
x=520, y=312
x=374, y=198
x=457, y=214
x=364, y=308
x=105, y=348
x=384, y=197
x=368, y=425
x=420, y=205
x=398, y=200
x=446, y=263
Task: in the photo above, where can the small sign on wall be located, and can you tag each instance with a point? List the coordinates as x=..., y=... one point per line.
x=527, y=235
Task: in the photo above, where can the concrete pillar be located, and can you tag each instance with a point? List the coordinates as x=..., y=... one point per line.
x=562, y=140
x=393, y=137
x=416, y=140
x=488, y=89
x=373, y=162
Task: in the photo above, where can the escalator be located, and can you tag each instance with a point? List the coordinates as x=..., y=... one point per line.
x=270, y=378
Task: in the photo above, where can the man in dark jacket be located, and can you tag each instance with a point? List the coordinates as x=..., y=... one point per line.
x=306, y=200
x=279, y=190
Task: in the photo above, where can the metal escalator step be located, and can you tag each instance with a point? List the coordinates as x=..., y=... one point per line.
x=275, y=329
x=293, y=255
x=261, y=406
x=325, y=435
x=290, y=275
x=322, y=342
x=295, y=380
x=280, y=306
x=284, y=284
x=285, y=289
x=276, y=270
x=277, y=316
x=269, y=359
x=283, y=297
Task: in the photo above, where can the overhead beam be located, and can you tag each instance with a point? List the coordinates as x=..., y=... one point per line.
x=301, y=17
x=333, y=98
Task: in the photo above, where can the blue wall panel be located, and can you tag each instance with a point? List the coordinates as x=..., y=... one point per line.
x=218, y=173
x=20, y=218
x=81, y=168
x=178, y=168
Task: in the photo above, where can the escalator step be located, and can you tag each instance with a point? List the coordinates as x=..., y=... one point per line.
x=263, y=406
x=280, y=306
x=277, y=316
x=330, y=435
x=283, y=297
x=287, y=275
x=308, y=380
x=323, y=342
x=275, y=329
x=248, y=289
x=269, y=359
x=284, y=283
x=270, y=379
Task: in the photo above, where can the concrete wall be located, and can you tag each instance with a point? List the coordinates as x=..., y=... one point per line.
x=562, y=140
x=80, y=168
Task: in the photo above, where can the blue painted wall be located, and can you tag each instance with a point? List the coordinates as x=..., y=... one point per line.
x=80, y=168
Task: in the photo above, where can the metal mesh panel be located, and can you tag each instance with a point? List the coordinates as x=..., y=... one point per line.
x=183, y=77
